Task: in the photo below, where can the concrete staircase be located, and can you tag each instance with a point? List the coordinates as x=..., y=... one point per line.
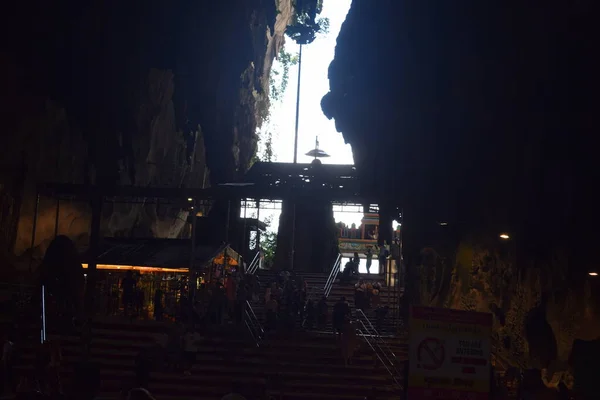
x=117, y=342
x=316, y=282
x=388, y=297
x=300, y=366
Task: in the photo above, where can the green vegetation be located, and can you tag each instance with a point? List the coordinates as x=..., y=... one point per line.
x=282, y=72
x=305, y=26
x=268, y=244
x=268, y=155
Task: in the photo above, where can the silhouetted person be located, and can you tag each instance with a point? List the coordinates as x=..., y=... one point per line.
x=369, y=254
x=340, y=312
x=383, y=254
x=349, y=342
x=380, y=314
x=359, y=295
x=311, y=314
x=322, y=311
x=348, y=272
x=128, y=286
x=158, y=305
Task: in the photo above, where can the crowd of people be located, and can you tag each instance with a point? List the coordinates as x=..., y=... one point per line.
x=287, y=304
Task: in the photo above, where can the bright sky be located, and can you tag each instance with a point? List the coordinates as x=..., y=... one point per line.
x=314, y=84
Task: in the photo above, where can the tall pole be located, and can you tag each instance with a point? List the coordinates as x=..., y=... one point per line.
x=192, y=270
x=293, y=250
x=297, y=107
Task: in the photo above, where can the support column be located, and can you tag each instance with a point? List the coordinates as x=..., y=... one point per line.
x=56, y=218
x=293, y=244
x=244, y=250
x=227, y=221
x=192, y=271
x=96, y=203
x=385, y=224
x=34, y=228
x=257, y=225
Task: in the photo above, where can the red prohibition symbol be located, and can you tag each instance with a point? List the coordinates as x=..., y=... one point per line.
x=431, y=353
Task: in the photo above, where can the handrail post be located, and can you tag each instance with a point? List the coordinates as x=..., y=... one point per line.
x=43, y=339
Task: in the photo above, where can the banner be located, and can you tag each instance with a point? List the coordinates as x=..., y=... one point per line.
x=449, y=354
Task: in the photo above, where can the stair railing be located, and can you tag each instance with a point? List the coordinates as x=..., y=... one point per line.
x=390, y=368
x=253, y=324
x=254, y=265
x=379, y=340
x=332, y=275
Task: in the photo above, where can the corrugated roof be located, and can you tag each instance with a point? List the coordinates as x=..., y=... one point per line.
x=163, y=253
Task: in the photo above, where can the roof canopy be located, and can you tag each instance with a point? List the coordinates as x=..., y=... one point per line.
x=160, y=253
x=263, y=181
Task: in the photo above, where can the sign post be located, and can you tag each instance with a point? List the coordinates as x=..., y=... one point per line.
x=449, y=354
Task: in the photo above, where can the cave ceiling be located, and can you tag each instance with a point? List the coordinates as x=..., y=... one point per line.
x=94, y=58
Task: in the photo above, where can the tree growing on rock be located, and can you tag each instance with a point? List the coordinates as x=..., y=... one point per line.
x=305, y=25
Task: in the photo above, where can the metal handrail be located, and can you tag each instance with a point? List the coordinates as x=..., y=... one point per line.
x=394, y=374
x=380, y=352
x=376, y=333
x=253, y=324
x=332, y=275
x=254, y=265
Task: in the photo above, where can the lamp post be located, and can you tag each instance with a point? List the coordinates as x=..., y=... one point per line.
x=297, y=107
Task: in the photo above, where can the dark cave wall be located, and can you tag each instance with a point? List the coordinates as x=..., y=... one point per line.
x=144, y=93
x=454, y=108
x=480, y=115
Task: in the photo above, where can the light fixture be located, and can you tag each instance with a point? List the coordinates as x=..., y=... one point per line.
x=592, y=273
x=137, y=268
x=443, y=223
x=190, y=199
x=504, y=236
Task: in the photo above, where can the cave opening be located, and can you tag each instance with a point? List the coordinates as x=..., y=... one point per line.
x=276, y=136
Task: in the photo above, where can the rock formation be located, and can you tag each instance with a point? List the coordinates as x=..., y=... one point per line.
x=460, y=113
x=142, y=93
